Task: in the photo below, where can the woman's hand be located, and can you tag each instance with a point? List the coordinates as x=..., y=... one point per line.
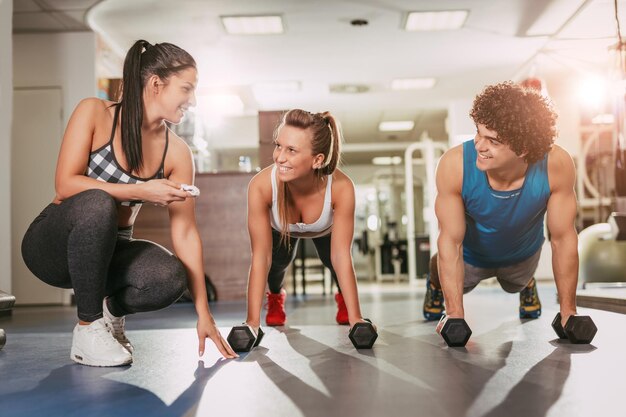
x=361, y=320
x=255, y=327
x=207, y=328
x=162, y=192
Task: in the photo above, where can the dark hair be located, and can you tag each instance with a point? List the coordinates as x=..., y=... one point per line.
x=326, y=140
x=522, y=117
x=142, y=61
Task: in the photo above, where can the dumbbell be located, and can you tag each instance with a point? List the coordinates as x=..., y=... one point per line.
x=243, y=338
x=363, y=335
x=455, y=331
x=3, y=338
x=578, y=329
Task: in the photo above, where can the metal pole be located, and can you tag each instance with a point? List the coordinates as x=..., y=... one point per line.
x=427, y=146
x=410, y=210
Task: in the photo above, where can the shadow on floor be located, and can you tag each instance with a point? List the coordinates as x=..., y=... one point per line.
x=76, y=390
x=406, y=375
x=542, y=385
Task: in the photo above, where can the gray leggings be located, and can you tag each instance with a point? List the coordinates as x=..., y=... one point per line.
x=77, y=244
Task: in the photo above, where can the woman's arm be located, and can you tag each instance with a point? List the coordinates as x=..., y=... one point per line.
x=260, y=232
x=70, y=178
x=188, y=248
x=341, y=243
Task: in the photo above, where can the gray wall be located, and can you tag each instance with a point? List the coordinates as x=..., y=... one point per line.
x=62, y=62
x=65, y=60
x=6, y=100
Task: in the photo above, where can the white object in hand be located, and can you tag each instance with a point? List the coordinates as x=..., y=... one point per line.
x=191, y=189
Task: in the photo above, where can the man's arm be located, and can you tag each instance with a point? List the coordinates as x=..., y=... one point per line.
x=450, y=213
x=561, y=217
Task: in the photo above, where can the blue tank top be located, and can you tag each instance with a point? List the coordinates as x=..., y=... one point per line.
x=502, y=227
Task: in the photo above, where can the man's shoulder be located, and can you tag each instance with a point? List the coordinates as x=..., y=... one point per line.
x=559, y=158
x=452, y=156
x=561, y=168
x=450, y=170
x=558, y=151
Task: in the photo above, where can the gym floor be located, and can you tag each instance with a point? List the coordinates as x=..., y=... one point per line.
x=509, y=367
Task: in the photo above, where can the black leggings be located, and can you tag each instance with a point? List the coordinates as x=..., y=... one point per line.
x=282, y=257
x=77, y=244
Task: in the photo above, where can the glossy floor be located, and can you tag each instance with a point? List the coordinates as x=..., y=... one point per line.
x=309, y=368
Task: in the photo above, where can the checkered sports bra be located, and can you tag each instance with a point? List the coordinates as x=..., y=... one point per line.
x=103, y=165
x=321, y=227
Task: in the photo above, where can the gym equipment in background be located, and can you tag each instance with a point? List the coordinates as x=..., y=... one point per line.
x=602, y=251
x=6, y=304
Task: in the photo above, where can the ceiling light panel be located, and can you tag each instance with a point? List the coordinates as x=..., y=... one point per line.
x=412, y=83
x=431, y=21
x=387, y=160
x=348, y=88
x=396, y=126
x=253, y=25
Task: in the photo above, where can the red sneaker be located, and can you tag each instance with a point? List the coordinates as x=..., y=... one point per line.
x=276, y=309
x=342, y=311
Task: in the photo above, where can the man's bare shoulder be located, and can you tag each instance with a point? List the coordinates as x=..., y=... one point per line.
x=450, y=170
x=561, y=168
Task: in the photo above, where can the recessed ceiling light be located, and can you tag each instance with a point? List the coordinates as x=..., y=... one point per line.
x=348, y=88
x=412, y=83
x=441, y=20
x=252, y=25
x=396, y=126
x=387, y=160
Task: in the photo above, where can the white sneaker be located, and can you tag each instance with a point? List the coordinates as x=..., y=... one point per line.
x=94, y=345
x=116, y=324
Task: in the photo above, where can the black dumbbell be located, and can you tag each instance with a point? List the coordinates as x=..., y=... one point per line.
x=243, y=339
x=455, y=332
x=3, y=338
x=363, y=335
x=578, y=329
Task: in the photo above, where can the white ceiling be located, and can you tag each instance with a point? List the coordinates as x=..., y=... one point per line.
x=51, y=15
x=320, y=47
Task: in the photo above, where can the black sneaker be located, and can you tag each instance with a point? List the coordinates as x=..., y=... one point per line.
x=433, y=302
x=529, y=304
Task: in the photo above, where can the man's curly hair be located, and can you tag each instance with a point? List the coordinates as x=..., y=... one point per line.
x=523, y=118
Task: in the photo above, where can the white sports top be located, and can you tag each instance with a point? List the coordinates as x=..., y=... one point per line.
x=321, y=227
